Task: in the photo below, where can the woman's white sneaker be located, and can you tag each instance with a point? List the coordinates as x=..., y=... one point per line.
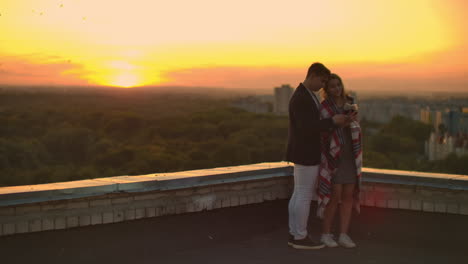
x=328, y=240
x=345, y=241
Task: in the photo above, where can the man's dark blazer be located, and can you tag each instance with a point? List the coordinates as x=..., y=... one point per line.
x=304, y=128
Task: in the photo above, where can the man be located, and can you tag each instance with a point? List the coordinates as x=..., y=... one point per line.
x=304, y=151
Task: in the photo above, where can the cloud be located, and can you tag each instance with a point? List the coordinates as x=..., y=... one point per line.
x=34, y=69
x=434, y=72
x=437, y=71
x=236, y=77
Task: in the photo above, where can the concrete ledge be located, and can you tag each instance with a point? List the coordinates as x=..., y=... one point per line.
x=17, y=195
x=124, y=198
x=436, y=180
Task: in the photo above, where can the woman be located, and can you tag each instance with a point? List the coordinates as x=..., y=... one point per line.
x=341, y=162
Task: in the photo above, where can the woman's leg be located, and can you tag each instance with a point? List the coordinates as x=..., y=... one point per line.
x=330, y=210
x=346, y=207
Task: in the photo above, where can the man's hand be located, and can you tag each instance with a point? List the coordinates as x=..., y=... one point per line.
x=341, y=120
x=344, y=120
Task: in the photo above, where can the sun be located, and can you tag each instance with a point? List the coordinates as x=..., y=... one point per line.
x=122, y=74
x=126, y=80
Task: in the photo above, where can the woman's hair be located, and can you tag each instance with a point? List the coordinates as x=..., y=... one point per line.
x=325, y=93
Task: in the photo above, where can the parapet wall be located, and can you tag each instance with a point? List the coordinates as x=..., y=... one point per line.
x=64, y=205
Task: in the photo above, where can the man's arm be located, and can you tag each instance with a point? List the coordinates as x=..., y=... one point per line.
x=301, y=112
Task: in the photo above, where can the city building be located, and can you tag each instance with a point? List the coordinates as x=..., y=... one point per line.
x=254, y=104
x=383, y=111
x=463, y=126
x=439, y=146
x=451, y=120
x=282, y=96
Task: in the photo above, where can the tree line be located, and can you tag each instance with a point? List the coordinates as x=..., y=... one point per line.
x=52, y=137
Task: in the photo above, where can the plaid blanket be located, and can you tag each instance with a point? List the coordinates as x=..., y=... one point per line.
x=331, y=149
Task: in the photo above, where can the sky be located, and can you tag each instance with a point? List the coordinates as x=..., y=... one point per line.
x=395, y=45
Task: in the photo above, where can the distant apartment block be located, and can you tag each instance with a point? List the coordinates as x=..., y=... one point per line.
x=282, y=96
x=254, y=104
x=439, y=146
x=463, y=126
x=383, y=112
x=354, y=96
x=450, y=120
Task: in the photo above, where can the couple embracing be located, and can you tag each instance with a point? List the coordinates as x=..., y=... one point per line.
x=324, y=144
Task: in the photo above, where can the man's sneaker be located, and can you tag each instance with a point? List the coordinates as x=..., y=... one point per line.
x=306, y=243
x=290, y=240
x=345, y=241
x=328, y=240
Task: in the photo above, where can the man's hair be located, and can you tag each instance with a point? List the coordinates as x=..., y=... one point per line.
x=318, y=69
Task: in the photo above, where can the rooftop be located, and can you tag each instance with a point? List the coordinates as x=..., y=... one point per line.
x=228, y=215
x=254, y=233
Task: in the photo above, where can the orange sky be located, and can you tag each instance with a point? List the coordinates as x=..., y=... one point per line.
x=234, y=44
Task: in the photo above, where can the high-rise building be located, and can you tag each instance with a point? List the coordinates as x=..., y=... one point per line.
x=353, y=94
x=383, y=111
x=253, y=104
x=451, y=119
x=425, y=115
x=282, y=96
x=463, y=125
x=440, y=146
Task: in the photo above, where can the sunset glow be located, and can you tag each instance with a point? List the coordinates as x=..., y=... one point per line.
x=125, y=80
x=228, y=44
